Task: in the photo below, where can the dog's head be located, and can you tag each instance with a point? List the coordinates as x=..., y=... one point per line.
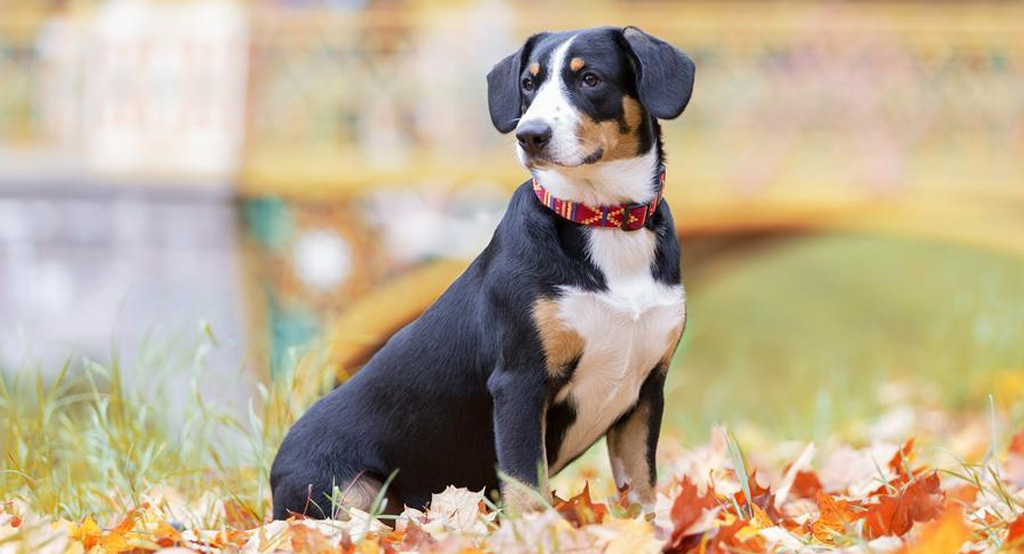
x=583, y=97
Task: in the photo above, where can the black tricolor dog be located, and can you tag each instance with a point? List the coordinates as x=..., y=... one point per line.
x=560, y=332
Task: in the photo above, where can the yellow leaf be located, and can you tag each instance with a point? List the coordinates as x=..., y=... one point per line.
x=114, y=543
x=944, y=536
x=634, y=536
x=369, y=546
x=88, y=533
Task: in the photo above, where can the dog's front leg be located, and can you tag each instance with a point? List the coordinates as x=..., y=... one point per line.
x=633, y=442
x=520, y=400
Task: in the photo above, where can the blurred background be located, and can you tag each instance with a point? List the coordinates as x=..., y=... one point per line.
x=297, y=179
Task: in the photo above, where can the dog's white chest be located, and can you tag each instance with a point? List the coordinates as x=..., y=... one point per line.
x=627, y=331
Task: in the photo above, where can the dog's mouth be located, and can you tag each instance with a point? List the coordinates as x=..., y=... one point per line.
x=541, y=160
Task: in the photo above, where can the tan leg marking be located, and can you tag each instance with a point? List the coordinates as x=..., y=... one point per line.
x=616, y=142
x=577, y=64
x=627, y=449
x=561, y=343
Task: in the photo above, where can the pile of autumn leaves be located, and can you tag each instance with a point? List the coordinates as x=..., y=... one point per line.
x=856, y=503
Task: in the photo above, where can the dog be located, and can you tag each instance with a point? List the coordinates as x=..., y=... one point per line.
x=559, y=333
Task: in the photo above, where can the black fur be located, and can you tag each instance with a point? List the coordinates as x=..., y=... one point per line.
x=664, y=74
x=460, y=392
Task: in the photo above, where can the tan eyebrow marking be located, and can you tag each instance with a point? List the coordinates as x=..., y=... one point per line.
x=577, y=64
x=534, y=69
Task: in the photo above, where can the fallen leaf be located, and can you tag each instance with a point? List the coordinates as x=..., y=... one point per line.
x=1017, y=444
x=687, y=509
x=946, y=535
x=806, y=485
x=835, y=516
x=902, y=459
x=580, y=510
x=1015, y=533
x=894, y=514
x=239, y=516
x=309, y=540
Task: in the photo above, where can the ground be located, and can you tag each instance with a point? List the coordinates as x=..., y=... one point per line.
x=901, y=437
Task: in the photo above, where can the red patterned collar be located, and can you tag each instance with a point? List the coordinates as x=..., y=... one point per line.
x=628, y=217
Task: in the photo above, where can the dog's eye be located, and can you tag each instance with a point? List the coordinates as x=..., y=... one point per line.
x=591, y=80
x=527, y=84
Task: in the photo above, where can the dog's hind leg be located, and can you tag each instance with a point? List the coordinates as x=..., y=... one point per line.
x=326, y=500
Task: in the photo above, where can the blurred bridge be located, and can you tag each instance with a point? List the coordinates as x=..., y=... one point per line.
x=891, y=117
x=888, y=117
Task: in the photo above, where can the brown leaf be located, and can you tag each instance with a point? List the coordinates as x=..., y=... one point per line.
x=309, y=540
x=806, y=485
x=755, y=490
x=725, y=540
x=580, y=510
x=894, y=514
x=416, y=539
x=835, y=516
x=901, y=460
x=690, y=504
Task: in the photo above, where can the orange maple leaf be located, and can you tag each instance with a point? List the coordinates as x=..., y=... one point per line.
x=688, y=507
x=726, y=540
x=1017, y=444
x=580, y=510
x=806, y=485
x=1015, y=534
x=306, y=539
x=165, y=535
x=946, y=535
x=901, y=459
x=920, y=500
x=113, y=542
x=835, y=516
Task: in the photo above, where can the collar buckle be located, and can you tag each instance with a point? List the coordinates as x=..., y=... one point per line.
x=628, y=211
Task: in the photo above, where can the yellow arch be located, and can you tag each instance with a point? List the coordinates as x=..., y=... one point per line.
x=368, y=322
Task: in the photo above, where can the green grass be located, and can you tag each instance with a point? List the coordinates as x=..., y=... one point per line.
x=796, y=339
x=799, y=337
x=89, y=441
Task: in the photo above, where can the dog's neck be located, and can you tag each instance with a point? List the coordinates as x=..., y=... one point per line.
x=626, y=181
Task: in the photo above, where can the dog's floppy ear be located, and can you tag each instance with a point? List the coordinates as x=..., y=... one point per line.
x=664, y=74
x=503, y=97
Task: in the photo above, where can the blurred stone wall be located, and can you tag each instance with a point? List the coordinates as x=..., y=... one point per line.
x=80, y=272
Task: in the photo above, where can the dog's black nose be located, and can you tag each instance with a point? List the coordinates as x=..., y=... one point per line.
x=533, y=136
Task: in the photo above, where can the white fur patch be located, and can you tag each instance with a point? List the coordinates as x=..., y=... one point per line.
x=627, y=330
x=604, y=183
x=551, y=106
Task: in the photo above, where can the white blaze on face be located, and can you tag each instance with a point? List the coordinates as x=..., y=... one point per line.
x=551, y=106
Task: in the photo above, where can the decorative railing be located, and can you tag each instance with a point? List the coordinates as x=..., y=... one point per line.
x=904, y=117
